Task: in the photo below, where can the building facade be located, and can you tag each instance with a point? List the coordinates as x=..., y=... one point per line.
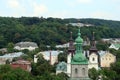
x=23, y=64
x=106, y=59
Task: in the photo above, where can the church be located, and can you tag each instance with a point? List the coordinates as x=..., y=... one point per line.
x=79, y=62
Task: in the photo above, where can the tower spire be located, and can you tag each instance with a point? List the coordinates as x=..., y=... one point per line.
x=93, y=44
x=93, y=38
x=71, y=39
x=71, y=48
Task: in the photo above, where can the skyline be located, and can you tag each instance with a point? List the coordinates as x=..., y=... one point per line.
x=100, y=9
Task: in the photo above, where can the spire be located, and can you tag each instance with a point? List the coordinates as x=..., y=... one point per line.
x=93, y=44
x=93, y=38
x=79, y=34
x=71, y=39
x=71, y=48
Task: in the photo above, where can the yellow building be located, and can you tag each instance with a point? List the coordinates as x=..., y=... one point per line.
x=106, y=59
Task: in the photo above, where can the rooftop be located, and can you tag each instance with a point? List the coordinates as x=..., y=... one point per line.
x=26, y=44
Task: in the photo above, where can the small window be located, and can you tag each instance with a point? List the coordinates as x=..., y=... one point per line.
x=83, y=71
x=93, y=59
x=76, y=70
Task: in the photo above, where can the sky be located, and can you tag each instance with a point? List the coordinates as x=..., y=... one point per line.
x=102, y=9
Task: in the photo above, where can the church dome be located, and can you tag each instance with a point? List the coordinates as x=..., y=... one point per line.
x=79, y=40
x=79, y=57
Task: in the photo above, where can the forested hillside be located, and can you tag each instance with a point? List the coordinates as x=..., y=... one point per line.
x=52, y=31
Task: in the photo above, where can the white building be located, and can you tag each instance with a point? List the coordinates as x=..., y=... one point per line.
x=9, y=57
x=49, y=55
x=26, y=45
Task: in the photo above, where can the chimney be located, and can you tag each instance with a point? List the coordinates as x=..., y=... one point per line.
x=50, y=57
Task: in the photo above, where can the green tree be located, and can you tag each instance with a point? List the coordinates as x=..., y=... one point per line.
x=93, y=74
x=10, y=47
x=62, y=57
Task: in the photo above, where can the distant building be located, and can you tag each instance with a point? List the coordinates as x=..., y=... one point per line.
x=106, y=59
x=23, y=64
x=49, y=55
x=115, y=46
x=81, y=24
x=111, y=40
x=62, y=46
x=3, y=50
x=9, y=57
x=61, y=67
x=26, y=45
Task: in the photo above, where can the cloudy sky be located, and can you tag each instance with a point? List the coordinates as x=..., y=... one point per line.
x=103, y=9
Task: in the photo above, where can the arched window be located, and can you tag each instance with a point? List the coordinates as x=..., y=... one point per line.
x=76, y=70
x=93, y=59
x=83, y=71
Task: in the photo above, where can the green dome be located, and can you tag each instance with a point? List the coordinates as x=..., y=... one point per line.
x=79, y=40
x=79, y=57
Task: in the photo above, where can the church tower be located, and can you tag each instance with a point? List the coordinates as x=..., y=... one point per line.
x=79, y=63
x=93, y=55
x=71, y=51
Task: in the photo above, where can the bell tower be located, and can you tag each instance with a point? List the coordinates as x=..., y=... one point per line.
x=93, y=45
x=71, y=51
x=79, y=63
x=93, y=55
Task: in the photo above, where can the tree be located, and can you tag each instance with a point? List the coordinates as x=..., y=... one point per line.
x=10, y=47
x=93, y=74
x=8, y=73
x=63, y=76
x=62, y=57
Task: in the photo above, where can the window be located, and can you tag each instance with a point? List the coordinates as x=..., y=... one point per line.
x=76, y=70
x=93, y=59
x=83, y=71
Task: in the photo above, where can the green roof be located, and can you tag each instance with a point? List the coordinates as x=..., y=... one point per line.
x=79, y=58
x=117, y=45
x=62, y=66
x=79, y=39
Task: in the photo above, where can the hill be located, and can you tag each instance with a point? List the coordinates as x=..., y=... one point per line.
x=52, y=31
